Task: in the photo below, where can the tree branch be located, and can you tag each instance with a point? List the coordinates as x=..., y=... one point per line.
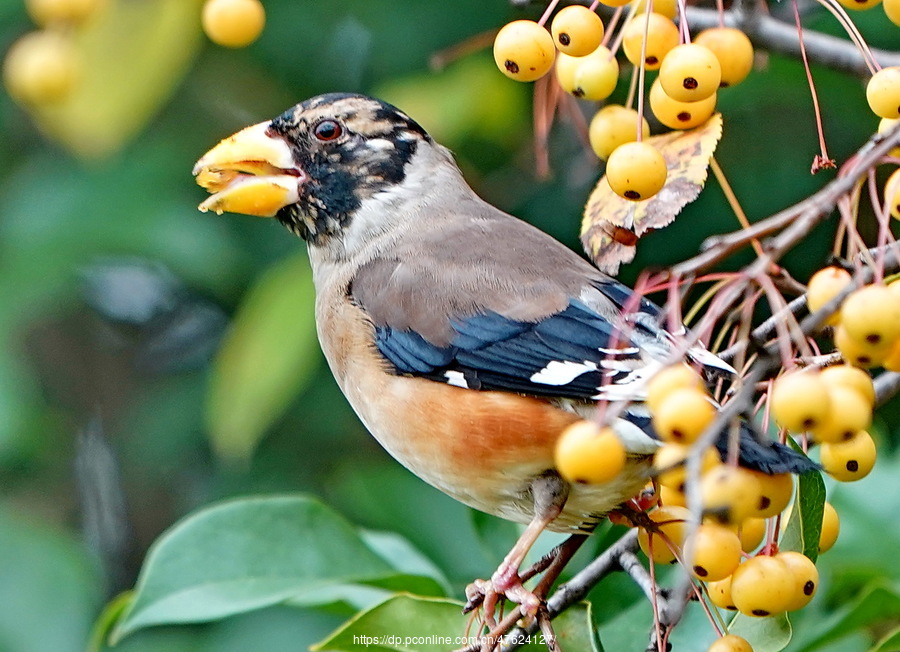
x=768, y=33
x=796, y=220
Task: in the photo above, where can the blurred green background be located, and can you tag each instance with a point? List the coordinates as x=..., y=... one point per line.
x=116, y=294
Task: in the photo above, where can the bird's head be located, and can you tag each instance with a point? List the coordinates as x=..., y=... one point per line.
x=314, y=166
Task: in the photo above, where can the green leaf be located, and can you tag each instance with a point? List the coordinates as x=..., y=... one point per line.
x=403, y=556
x=133, y=54
x=50, y=589
x=805, y=521
x=247, y=554
x=888, y=643
x=407, y=623
x=770, y=634
x=877, y=604
x=267, y=358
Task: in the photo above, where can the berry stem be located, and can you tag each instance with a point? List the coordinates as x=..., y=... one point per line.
x=546, y=96
x=549, y=10
x=821, y=160
x=629, y=100
x=789, y=330
x=705, y=298
x=594, y=5
x=733, y=201
x=617, y=43
x=641, y=73
x=610, y=28
x=683, y=31
x=850, y=27
x=883, y=218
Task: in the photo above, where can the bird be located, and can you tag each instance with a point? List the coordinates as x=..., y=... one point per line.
x=465, y=339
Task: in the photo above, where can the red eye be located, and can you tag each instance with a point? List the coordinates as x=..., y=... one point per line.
x=328, y=130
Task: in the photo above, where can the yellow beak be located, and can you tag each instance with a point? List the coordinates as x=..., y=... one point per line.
x=250, y=172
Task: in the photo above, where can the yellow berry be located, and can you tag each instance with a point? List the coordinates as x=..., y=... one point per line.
x=776, y=492
x=47, y=12
x=667, y=8
x=831, y=528
x=892, y=11
x=751, y=532
x=799, y=401
x=883, y=92
x=589, y=454
x=892, y=193
x=566, y=68
x=667, y=380
x=636, y=171
x=615, y=3
x=849, y=460
x=715, y=551
x=824, y=286
x=690, y=73
x=762, y=586
x=41, y=68
x=671, y=522
x=730, y=643
x=733, y=49
x=679, y=115
x=872, y=313
x=593, y=77
x=859, y=353
x=892, y=361
x=614, y=125
x=730, y=493
x=524, y=51
x=683, y=415
x=233, y=23
x=720, y=594
x=577, y=31
x=844, y=375
x=860, y=5
x=671, y=470
x=671, y=497
x=848, y=413
x=662, y=36
x=806, y=578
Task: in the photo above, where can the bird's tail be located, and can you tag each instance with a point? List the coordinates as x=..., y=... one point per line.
x=765, y=455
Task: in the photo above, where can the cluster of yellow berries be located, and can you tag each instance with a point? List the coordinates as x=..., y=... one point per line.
x=682, y=96
x=43, y=66
x=867, y=324
x=883, y=94
x=738, y=504
x=233, y=23
x=834, y=408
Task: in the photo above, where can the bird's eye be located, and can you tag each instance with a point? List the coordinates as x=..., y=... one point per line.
x=328, y=130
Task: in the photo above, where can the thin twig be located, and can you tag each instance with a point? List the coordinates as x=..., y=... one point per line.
x=799, y=218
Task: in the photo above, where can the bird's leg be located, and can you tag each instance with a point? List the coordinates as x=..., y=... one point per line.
x=549, y=493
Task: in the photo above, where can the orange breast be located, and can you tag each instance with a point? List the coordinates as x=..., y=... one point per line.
x=482, y=448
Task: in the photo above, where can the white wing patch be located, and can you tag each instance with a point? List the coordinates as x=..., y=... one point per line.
x=456, y=378
x=562, y=373
x=634, y=439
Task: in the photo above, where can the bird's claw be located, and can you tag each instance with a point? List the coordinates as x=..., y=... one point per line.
x=506, y=584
